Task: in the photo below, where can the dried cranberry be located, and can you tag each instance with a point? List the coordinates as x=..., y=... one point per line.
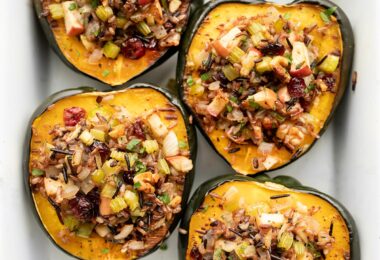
x=195, y=254
x=305, y=104
x=329, y=80
x=273, y=49
x=133, y=48
x=128, y=177
x=85, y=207
x=220, y=77
x=138, y=130
x=103, y=149
x=144, y=2
x=296, y=87
x=71, y=116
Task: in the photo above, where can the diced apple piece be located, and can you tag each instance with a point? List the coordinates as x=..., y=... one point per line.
x=222, y=45
x=158, y=128
x=73, y=21
x=283, y=95
x=264, y=65
x=300, y=67
x=330, y=64
x=170, y=145
x=180, y=163
x=274, y=220
x=217, y=105
x=174, y=5
x=269, y=162
x=52, y=186
x=265, y=98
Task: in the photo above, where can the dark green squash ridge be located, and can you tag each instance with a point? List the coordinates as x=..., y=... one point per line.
x=287, y=181
x=168, y=94
x=345, y=67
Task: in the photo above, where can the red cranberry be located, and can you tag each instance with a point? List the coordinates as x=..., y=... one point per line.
x=273, y=49
x=85, y=207
x=71, y=116
x=133, y=48
x=144, y=2
x=138, y=130
x=296, y=87
x=329, y=80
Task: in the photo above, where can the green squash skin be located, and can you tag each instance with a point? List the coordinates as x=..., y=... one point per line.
x=194, y=5
x=169, y=94
x=345, y=75
x=287, y=181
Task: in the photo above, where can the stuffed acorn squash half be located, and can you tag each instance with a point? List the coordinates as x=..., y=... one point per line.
x=110, y=172
x=262, y=80
x=237, y=217
x=113, y=41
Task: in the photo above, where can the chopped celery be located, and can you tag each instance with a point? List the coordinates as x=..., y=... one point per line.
x=264, y=65
x=140, y=167
x=196, y=90
x=131, y=146
x=132, y=158
x=71, y=222
x=190, y=81
x=102, y=112
x=86, y=137
x=109, y=168
x=117, y=155
x=236, y=55
x=143, y=28
x=104, y=12
x=108, y=191
x=230, y=72
x=218, y=254
x=56, y=11
x=98, y=134
x=111, y=50
x=330, y=64
x=138, y=213
x=137, y=185
x=132, y=199
x=205, y=76
x=85, y=230
x=163, y=167
x=299, y=248
x=121, y=22
x=150, y=146
x=286, y=241
x=256, y=30
x=118, y=204
x=98, y=176
x=37, y=172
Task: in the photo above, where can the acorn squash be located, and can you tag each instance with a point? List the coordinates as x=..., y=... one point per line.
x=112, y=68
x=263, y=197
x=83, y=242
x=262, y=80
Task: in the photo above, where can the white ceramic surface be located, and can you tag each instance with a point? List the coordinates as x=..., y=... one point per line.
x=343, y=163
